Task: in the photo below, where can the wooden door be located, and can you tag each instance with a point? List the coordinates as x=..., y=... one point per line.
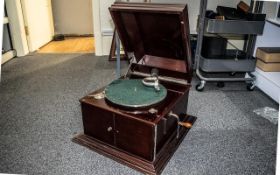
x=135, y=137
x=98, y=123
x=38, y=22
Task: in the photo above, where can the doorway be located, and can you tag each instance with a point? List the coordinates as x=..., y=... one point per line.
x=70, y=19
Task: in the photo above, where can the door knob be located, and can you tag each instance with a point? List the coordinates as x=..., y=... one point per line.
x=109, y=129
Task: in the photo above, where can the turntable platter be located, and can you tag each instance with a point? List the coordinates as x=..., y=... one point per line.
x=133, y=93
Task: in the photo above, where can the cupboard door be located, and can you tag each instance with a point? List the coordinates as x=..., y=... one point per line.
x=98, y=123
x=135, y=137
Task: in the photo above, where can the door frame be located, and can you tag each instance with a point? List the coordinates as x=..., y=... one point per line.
x=97, y=28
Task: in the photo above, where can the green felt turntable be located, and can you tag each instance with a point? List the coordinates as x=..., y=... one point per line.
x=134, y=93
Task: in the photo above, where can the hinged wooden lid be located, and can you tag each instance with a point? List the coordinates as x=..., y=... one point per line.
x=155, y=32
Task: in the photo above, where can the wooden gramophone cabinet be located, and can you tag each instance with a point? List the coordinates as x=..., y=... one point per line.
x=156, y=36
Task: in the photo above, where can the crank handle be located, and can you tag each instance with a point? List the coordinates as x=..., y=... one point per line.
x=185, y=124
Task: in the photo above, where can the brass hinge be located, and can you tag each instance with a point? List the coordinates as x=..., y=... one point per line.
x=26, y=30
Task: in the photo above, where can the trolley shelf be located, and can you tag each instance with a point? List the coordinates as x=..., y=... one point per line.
x=245, y=62
x=228, y=63
x=234, y=26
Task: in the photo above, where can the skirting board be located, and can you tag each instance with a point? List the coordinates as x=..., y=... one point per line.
x=269, y=83
x=7, y=56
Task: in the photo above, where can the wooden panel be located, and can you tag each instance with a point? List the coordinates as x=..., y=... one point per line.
x=98, y=123
x=147, y=167
x=135, y=137
x=155, y=30
x=165, y=63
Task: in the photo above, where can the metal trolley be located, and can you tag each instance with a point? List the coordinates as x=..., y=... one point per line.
x=235, y=60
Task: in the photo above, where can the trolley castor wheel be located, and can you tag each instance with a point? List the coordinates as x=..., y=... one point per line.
x=220, y=84
x=200, y=86
x=251, y=86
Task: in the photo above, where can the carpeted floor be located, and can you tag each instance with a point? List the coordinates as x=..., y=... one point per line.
x=40, y=113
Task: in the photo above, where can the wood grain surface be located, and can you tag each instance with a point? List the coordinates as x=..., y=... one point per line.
x=70, y=45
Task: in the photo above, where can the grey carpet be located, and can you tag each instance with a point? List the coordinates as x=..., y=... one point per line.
x=40, y=113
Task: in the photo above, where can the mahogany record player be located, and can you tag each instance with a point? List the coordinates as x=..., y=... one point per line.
x=140, y=119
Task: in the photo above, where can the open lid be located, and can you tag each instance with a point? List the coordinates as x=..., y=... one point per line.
x=154, y=31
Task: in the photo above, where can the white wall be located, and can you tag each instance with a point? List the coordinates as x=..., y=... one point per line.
x=269, y=82
x=72, y=16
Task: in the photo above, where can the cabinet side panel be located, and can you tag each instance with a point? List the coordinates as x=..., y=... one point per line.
x=168, y=125
x=166, y=128
x=182, y=104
